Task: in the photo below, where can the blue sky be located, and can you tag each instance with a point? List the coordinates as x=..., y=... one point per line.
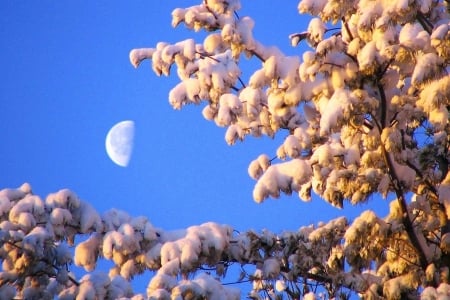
x=66, y=79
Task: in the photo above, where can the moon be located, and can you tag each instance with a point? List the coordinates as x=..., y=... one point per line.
x=119, y=142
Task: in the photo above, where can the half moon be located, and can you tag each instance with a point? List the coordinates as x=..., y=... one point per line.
x=119, y=142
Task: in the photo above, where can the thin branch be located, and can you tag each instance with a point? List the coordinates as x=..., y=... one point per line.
x=300, y=35
x=333, y=64
x=426, y=24
x=406, y=219
x=242, y=82
x=204, y=55
x=398, y=253
x=237, y=282
x=386, y=67
x=257, y=55
x=347, y=29
x=398, y=189
x=353, y=58
x=73, y=280
x=419, y=173
x=331, y=29
x=234, y=88
x=383, y=104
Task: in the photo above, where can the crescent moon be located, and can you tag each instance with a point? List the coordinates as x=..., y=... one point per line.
x=119, y=142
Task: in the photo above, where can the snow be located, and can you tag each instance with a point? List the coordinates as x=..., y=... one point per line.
x=244, y=31
x=26, y=210
x=5, y=205
x=214, y=290
x=150, y=233
x=178, y=16
x=209, y=112
x=88, y=217
x=313, y=7
x=334, y=110
x=276, y=103
x=12, y=194
x=160, y=282
x=270, y=67
x=170, y=251
x=117, y=244
x=309, y=68
x=325, y=230
x=190, y=251
x=361, y=225
x=94, y=286
x=368, y=57
x=229, y=107
x=7, y=292
x=434, y=94
x=193, y=90
x=328, y=108
x=60, y=216
x=128, y=269
x=439, y=39
x=443, y=290
x=233, y=133
x=113, y=218
x=271, y=268
x=316, y=30
x=292, y=146
x=280, y=285
x=431, y=273
x=394, y=287
x=184, y=289
x=426, y=68
x=413, y=36
x=406, y=174
x=444, y=193
x=440, y=32
x=178, y=96
x=309, y=296
x=438, y=117
x=86, y=253
x=119, y=288
x=188, y=48
x=259, y=166
x=259, y=79
x=26, y=221
x=286, y=177
x=63, y=253
x=196, y=17
x=34, y=241
x=213, y=43
x=138, y=55
x=369, y=12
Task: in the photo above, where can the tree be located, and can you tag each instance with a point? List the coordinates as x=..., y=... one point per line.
x=365, y=112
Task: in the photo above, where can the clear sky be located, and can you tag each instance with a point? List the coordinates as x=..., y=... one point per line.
x=66, y=79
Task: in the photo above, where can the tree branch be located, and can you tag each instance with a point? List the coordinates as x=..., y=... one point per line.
x=383, y=100
x=347, y=29
x=398, y=189
x=257, y=55
x=426, y=24
x=406, y=219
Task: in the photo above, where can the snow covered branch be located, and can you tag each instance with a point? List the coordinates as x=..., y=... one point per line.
x=353, y=109
x=363, y=112
x=37, y=261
